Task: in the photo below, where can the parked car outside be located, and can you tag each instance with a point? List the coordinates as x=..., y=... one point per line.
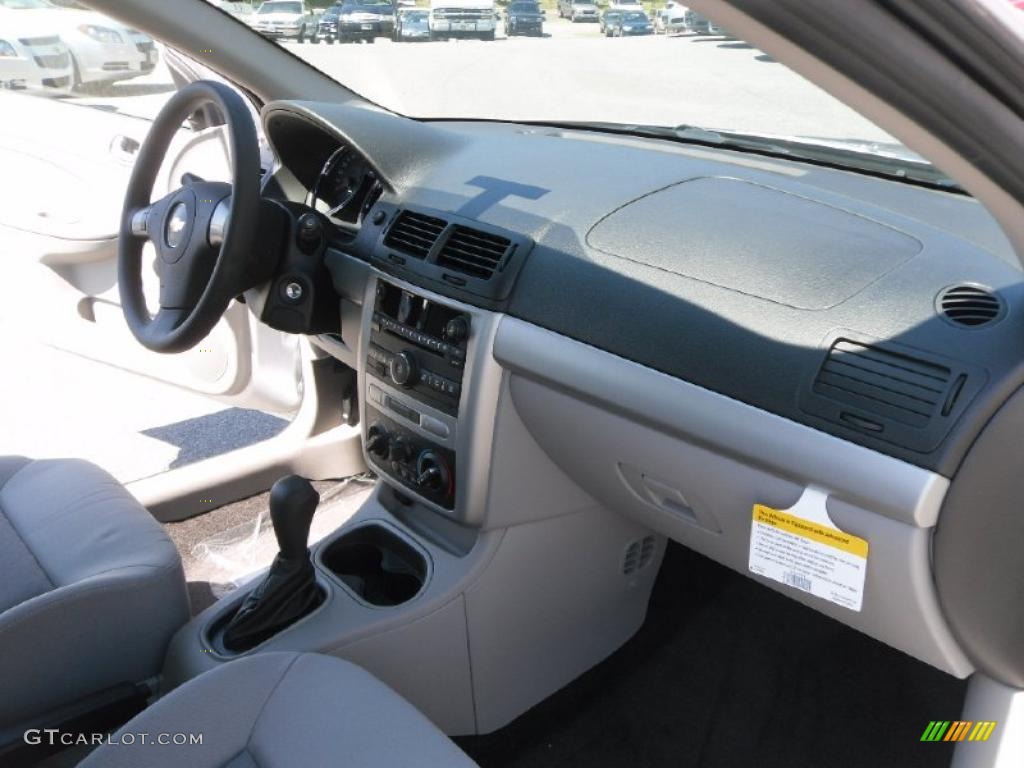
x=411, y=24
x=385, y=11
x=327, y=25
x=626, y=5
x=699, y=25
x=463, y=18
x=351, y=22
x=284, y=19
x=608, y=21
x=578, y=10
x=101, y=49
x=31, y=56
x=670, y=18
x=632, y=23
x=524, y=17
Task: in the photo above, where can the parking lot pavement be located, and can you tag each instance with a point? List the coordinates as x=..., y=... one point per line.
x=574, y=73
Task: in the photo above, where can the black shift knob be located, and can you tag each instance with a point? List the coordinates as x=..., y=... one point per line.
x=293, y=501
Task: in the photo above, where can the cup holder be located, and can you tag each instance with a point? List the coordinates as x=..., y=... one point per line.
x=379, y=566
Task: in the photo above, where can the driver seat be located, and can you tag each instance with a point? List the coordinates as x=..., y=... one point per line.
x=91, y=590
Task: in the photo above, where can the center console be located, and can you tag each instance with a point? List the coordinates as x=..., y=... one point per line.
x=415, y=360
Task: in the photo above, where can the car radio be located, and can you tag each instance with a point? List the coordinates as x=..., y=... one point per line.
x=414, y=365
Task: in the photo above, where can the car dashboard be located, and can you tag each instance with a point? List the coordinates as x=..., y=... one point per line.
x=683, y=332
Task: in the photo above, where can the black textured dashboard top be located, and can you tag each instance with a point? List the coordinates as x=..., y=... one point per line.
x=738, y=273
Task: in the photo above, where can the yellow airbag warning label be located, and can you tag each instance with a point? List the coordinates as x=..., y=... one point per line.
x=809, y=554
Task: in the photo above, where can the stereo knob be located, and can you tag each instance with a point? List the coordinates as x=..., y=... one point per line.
x=377, y=441
x=456, y=330
x=432, y=473
x=402, y=369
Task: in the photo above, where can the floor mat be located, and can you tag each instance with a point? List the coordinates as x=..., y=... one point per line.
x=726, y=672
x=223, y=548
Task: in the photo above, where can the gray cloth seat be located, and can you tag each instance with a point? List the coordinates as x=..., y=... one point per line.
x=270, y=710
x=91, y=588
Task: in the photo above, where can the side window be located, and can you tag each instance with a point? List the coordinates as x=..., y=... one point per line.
x=78, y=93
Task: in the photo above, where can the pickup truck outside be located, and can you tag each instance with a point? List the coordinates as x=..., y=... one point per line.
x=462, y=18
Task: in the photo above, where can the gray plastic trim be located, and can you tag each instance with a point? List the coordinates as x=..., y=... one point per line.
x=690, y=464
x=989, y=700
x=872, y=480
x=474, y=430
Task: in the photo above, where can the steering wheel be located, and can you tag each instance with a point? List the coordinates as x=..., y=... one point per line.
x=204, y=233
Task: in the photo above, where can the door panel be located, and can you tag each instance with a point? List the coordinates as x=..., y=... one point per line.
x=58, y=251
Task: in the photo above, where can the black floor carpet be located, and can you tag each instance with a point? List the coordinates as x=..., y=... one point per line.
x=726, y=673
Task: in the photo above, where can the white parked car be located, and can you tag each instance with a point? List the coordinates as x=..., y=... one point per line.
x=279, y=19
x=31, y=56
x=102, y=49
x=671, y=18
x=462, y=18
x=626, y=5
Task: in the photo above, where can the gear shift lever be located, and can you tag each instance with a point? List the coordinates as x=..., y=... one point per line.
x=293, y=501
x=289, y=590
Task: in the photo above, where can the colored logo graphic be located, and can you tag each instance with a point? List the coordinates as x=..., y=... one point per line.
x=958, y=730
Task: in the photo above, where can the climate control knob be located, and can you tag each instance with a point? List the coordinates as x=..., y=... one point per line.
x=378, y=443
x=432, y=473
x=403, y=369
x=456, y=330
x=402, y=450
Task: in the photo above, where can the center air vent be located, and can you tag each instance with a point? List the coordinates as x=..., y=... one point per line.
x=463, y=257
x=414, y=234
x=472, y=252
x=893, y=386
x=970, y=305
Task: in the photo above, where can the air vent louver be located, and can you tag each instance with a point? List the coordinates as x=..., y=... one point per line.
x=638, y=555
x=893, y=386
x=472, y=252
x=970, y=305
x=414, y=234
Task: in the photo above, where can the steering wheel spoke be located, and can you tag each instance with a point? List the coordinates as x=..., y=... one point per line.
x=140, y=221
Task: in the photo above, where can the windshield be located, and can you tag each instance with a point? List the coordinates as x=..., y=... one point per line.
x=524, y=7
x=415, y=16
x=685, y=76
x=22, y=5
x=280, y=7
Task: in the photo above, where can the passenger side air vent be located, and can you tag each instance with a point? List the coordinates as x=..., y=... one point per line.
x=970, y=305
x=887, y=391
x=638, y=555
x=893, y=386
x=472, y=252
x=414, y=234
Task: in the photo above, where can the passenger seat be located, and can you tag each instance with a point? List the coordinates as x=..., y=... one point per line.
x=272, y=710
